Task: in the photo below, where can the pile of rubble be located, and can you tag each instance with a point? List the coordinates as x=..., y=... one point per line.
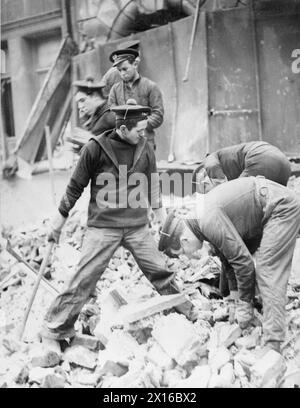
x=127, y=334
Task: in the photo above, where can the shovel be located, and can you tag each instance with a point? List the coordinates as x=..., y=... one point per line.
x=37, y=283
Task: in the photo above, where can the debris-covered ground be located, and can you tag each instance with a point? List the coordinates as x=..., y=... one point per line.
x=128, y=335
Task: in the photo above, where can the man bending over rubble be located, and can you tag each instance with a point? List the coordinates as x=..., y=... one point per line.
x=242, y=160
x=229, y=217
x=111, y=223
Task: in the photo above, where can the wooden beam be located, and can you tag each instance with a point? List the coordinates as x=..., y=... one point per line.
x=134, y=312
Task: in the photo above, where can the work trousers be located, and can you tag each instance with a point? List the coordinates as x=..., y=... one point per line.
x=98, y=247
x=274, y=256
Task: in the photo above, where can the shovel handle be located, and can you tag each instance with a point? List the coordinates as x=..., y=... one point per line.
x=37, y=282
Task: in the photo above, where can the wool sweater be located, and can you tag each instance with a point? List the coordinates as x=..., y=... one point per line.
x=119, y=196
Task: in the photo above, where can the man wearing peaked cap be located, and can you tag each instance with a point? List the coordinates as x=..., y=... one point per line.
x=235, y=217
x=112, y=76
x=93, y=111
x=119, y=56
x=134, y=86
x=112, y=163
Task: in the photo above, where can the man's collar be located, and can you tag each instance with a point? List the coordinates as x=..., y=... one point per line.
x=136, y=78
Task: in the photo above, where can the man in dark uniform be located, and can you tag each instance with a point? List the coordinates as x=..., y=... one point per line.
x=230, y=215
x=113, y=76
x=242, y=160
x=93, y=111
x=115, y=215
x=141, y=89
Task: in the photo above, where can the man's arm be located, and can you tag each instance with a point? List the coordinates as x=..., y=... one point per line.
x=220, y=231
x=213, y=167
x=79, y=180
x=157, y=108
x=154, y=193
x=112, y=98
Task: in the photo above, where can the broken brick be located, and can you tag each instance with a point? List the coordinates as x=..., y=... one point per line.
x=37, y=374
x=53, y=381
x=89, y=342
x=80, y=356
x=47, y=358
x=23, y=375
x=113, y=368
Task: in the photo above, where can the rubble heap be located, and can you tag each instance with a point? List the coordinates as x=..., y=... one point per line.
x=130, y=336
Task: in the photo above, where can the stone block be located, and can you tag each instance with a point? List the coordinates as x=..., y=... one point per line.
x=228, y=334
x=113, y=368
x=53, y=381
x=218, y=358
x=80, y=356
x=23, y=375
x=89, y=342
x=159, y=357
x=270, y=366
x=47, y=358
x=178, y=337
x=227, y=375
x=37, y=374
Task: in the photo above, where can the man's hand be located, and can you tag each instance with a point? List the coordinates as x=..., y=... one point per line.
x=244, y=313
x=57, y=224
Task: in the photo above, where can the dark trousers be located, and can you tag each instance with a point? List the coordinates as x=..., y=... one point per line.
x=98, y=248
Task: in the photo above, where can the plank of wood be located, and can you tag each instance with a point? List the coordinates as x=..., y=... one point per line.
x=30, y=270
x=133, y=312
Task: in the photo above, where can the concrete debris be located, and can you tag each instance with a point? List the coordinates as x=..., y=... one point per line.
x=23, y=375
x=229, y=334
x=159, y=357
x=172, y=377
x=37, y=374
x=89, y=342
x=45, y=358
x=199, y=378
x=250, y=341
x=128, y=336
x=53, y=381
x=80, y=356
x=218, y=358
x=268, y=370
x=113, y=368
x=178, y=337
x=134, y=312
